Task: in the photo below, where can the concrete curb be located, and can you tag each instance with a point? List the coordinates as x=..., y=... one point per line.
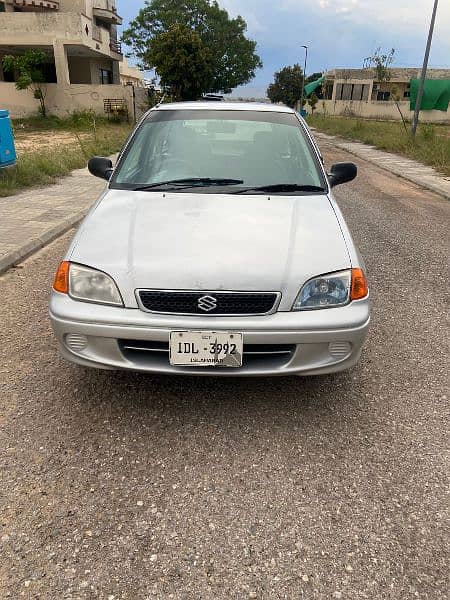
x=14, y=258
x=69, y=189
x=365, y=151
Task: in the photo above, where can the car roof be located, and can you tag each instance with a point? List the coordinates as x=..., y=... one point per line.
x=253, y=106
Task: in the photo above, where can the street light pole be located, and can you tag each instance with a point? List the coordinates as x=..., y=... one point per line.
x=424, y=71
x=304, y=75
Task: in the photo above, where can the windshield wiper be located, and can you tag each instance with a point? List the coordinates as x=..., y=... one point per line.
x=282, y=187
x=189, y=182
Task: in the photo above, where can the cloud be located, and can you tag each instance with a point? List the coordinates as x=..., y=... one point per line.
x=395, y=14
x=339, y=33
x=338, y=6
x=235, y=7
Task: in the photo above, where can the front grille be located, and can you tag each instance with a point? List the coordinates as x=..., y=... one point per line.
x=208, y=303
x=255, y=355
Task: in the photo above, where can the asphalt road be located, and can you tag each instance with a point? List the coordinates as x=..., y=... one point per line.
x=125, y=486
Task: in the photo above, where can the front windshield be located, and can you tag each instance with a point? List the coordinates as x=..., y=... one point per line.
x=256, y=148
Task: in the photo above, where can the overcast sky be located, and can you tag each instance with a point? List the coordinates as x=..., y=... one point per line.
x=339, y=33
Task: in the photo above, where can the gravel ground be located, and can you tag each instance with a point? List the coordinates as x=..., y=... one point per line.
x=125, y=486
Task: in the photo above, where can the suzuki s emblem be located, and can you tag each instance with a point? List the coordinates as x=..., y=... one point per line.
x=207, y=303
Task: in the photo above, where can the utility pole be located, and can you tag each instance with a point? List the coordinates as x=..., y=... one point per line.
x=424, y=71
x=304, y=75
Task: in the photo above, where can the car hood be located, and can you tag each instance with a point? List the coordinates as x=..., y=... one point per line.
x=211, y=242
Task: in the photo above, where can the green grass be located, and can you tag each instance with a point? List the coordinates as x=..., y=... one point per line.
x=431, y=147
x=44, y=166
x=78, y=120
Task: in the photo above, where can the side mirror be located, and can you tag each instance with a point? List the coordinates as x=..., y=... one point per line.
x=342, y=173
x=100, y=167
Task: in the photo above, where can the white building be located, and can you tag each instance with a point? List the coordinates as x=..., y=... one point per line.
x=84, y=54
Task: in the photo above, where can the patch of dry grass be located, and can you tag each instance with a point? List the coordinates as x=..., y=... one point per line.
x=51, y=148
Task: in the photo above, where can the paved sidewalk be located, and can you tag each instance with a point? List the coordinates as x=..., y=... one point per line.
x=406, y=168
x=31, y=219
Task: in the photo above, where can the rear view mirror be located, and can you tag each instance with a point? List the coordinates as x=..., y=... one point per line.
x=100, y=167
x=342, y=173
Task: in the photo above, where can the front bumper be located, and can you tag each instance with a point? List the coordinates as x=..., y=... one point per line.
x=323, y=341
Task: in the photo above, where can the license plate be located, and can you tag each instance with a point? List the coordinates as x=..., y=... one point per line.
x=206, y=348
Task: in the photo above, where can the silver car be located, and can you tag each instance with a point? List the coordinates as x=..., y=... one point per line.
x=216, y=248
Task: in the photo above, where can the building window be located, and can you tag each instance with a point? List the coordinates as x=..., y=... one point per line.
x=103, y=24
x=407, y=93
x=347, y=91
x=2, y=7
x=49, y=72
x=9, y=76
x=383, y=96
x=328, y=95
x=106, y=77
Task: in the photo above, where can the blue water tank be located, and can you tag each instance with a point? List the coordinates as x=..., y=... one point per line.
x=7, y=149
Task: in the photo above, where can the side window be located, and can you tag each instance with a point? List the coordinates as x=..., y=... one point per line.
x=302, y=158
x=106, y=77
x=134, y=157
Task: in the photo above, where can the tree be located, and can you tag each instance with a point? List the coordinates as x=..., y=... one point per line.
x=396, y=96
x=381, y=63
x=30, y=74
x=233, y=59
x=287, y=86
x=312, y=101
x=183, y=62
x=154, y=96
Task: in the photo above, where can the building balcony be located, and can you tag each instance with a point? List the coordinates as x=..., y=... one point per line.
x=34, y=5
x=97, y=34
x=38, y=29
x=115, y=46
x=107, y=11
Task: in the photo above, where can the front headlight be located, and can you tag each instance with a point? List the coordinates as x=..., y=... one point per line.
x=91, y=285
x=326, y=291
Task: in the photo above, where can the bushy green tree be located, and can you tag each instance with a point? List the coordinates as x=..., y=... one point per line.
x=232, y=56
x=287, y=86
x=183, y=62
x=30, y=74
